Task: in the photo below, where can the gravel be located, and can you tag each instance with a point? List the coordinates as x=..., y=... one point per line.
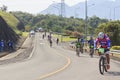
x=20, y=57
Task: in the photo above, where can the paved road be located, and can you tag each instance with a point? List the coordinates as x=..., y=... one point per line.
x=57, y=63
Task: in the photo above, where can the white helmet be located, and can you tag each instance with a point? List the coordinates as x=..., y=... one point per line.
x=101, y=35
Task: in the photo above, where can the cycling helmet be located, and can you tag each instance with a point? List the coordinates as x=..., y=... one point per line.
x=101, y=35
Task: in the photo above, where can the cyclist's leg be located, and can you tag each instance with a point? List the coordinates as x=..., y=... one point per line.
x=76, y=51
x=92, y=52
x=108, y=58
x=81, y=49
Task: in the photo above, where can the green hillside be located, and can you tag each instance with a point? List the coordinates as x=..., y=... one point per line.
x=11, y=20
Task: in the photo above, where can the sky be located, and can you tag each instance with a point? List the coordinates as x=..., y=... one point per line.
x=33, y=6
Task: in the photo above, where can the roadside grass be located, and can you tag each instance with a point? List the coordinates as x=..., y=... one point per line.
x=64, y=38
x=67, y=39
x=10, y=19
x=25, y=34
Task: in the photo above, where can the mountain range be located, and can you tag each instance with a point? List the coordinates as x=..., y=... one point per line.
x=109, y=9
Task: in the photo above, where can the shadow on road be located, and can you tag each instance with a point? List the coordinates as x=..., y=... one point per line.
x=113, y=73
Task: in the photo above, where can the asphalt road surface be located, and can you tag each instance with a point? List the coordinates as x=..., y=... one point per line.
x=57, y=63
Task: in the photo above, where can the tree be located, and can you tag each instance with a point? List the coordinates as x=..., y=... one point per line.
x=112, y=29
x=93, y=23
x=4, y=8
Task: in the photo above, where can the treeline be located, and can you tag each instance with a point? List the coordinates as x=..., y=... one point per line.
x=111, y=28
x=71, y=26
x=57, y=23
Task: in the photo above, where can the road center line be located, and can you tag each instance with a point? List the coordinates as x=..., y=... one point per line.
x=59, y=70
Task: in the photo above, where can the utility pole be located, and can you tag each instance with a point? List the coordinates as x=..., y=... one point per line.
x=63, y=13
x=86, y=19
x=115, y=11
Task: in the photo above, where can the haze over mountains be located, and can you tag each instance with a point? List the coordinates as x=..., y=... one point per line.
x=109, y=9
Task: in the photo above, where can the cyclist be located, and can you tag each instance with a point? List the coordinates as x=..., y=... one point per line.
x=10, y=45
x=2, y=45
x=91, y=46
x=78, y=46
x=50, y=42
x=104, y=42
x=57, y=41
x=43, y=36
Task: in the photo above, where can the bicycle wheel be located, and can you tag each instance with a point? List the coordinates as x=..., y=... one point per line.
x=50, y=44
x=101, y=65
x=81, y=50
x=91, y=52
x=78, y=52
x=105, y=64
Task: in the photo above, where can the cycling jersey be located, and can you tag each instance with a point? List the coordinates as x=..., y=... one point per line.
x=105, y=42
x=78, y=44
x=91, y=43
x=2, y=44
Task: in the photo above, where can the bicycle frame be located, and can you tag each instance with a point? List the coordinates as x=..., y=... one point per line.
x=79, y=50
x=91, y=52
x=102, y=62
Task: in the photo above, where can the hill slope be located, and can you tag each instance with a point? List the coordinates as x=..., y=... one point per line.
x=12, y=21
x=102, y=8
x=9, y=29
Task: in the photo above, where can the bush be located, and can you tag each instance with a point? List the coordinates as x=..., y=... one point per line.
x=116, y=47
x=20, y=33
x=76, y=34
x=68, y=33
x=73, y=37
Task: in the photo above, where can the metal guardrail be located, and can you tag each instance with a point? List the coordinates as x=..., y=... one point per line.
x=112, y=51
x=115, y=51
x=72, y=46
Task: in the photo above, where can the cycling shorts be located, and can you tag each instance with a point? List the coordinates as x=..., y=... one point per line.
x=107, y=51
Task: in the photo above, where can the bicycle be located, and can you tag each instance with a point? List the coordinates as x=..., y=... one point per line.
x=50, y=43
x=102, y=61
x=78, y=51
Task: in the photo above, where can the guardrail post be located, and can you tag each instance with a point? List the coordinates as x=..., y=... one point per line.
x=112, y=54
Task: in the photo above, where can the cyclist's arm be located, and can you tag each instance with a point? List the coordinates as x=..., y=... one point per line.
x=109, y=44
x=95, y=43
x=108, y=41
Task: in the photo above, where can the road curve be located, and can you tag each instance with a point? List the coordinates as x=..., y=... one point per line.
x=57, y=63
x=43, y=62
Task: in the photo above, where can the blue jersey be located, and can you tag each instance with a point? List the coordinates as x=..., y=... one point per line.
x=91, y=42
x=2, y=44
